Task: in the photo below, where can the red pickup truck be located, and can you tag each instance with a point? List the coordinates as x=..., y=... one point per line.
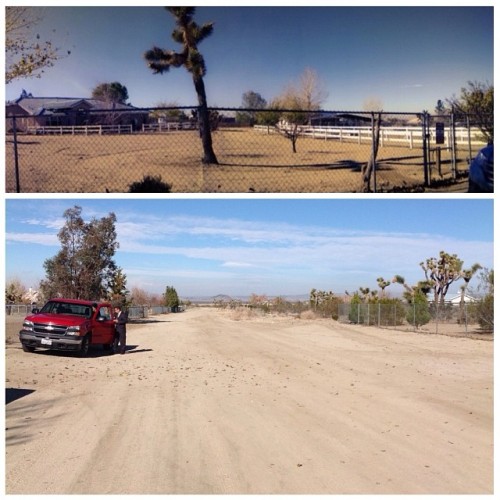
x=70, y=325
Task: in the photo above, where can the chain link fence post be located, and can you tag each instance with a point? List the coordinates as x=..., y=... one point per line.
x=16, y=155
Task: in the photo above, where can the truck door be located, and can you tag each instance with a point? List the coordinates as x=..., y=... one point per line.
x=103, y=327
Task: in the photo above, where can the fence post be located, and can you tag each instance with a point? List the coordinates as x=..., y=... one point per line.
x=16, y=155
x=453, y=146
x=414, y=316
x=438, y=306
x=466, y=318
x=469, y=138
x=425, y=146
x=374, y=165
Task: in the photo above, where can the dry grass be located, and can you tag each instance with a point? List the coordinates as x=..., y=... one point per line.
x=308, y=315
x=249, y=161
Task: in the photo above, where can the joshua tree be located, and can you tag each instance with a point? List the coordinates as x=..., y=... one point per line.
x=442, y=272
x=383, y=284
x=421, y=287
x=467, y=275
x=189, y=34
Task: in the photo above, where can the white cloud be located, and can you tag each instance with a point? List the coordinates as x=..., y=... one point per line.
x=33, y=238
x=223, y=254
x=237, y=264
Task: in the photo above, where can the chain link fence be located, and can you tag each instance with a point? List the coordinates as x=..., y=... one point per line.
x=160, y=150
x=134, y=312
x=474, y=319
x=452, y=319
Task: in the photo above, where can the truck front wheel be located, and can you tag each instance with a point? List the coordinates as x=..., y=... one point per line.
x=84, y=348
x=27, y=348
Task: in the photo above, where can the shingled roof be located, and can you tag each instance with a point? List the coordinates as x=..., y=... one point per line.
x=37, y=106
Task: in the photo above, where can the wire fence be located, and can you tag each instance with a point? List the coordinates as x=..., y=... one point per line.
x=160, y=150
x=451, y=319
x=474, y=319
x=446, y=319
x=134, y=312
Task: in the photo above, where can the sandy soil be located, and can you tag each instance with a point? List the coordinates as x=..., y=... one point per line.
x=250, y=161
x=204, y=403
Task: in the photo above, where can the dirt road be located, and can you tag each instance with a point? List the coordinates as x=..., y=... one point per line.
x=203, y=403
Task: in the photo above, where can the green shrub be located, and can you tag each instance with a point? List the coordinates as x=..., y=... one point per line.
x=419, y=313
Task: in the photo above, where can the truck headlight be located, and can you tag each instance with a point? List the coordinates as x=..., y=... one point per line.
x=28, y=326
x=73, y=330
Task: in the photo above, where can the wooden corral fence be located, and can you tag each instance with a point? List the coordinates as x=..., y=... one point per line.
x=167, y=126
x=410, y=136
x=80, y=129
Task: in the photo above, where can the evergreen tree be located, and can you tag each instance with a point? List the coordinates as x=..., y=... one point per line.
x=118, y=292
x=356, y=311
x=111, y=92
x=171, y=298
x=84, y=268
x=250, y=101
x=476, y=101
x=419, y=313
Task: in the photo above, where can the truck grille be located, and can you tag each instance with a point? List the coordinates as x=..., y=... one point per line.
x=43, y=329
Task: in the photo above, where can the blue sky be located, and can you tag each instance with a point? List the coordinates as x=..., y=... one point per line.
x=205, y=247
x=406, y=58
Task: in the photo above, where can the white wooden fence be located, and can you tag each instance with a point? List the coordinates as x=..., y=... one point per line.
x=408, y=136
x=80, y=129
x=167, y=126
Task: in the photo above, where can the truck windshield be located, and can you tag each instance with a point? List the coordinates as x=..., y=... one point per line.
x=55, y=307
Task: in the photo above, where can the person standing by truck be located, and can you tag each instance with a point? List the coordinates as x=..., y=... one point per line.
x=121, y=328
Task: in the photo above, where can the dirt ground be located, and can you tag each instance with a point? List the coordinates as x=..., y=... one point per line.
x=207, y=402
x=249, y=161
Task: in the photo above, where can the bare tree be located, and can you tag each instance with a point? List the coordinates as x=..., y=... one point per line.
x=311, y=90
x=14, y=291
x=26, y=54
x=297, y=103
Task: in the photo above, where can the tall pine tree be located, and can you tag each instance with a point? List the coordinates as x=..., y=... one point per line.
x=84, y=268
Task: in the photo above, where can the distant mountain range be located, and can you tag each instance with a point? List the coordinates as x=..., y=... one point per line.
x=242, y=298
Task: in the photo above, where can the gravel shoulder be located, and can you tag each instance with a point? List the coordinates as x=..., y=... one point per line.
x=205, y=403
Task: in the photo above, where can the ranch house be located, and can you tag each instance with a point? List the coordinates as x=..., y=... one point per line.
x=340, y=120
x=457, y=298
x=33, y=112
